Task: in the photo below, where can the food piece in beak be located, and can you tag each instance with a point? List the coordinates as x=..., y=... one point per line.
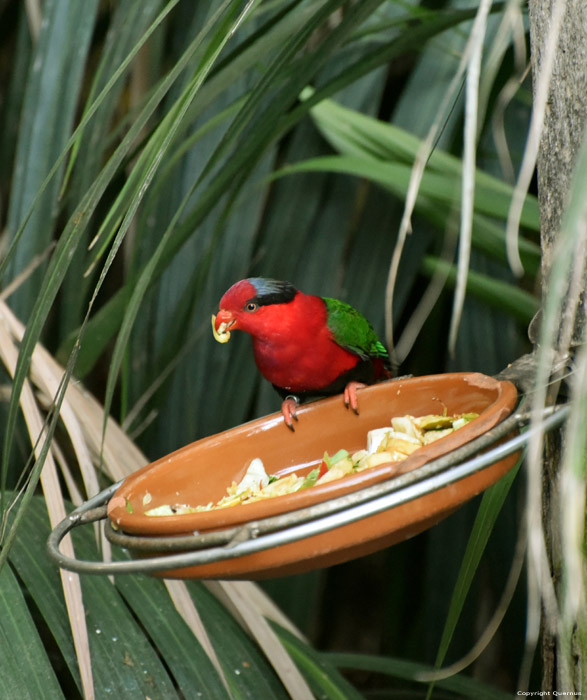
x=221, y=332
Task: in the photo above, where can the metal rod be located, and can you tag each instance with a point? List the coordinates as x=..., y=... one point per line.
x=279, y=522
x=250, y=538
x=200, y=541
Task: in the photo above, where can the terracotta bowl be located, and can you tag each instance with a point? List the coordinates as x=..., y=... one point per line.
x=201, y=472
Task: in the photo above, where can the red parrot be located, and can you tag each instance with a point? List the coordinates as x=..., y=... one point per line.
x=306, y=346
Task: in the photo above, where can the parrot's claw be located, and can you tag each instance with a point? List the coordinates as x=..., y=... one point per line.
x=288, y=410
x=350, y=395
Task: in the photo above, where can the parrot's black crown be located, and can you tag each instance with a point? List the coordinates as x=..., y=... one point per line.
x=272, y=291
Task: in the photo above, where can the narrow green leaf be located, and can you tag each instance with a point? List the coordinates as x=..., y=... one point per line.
x=420, y=31
x=497, y=293
x=183, y=655
x=324, y=679
x=53, y=86
x=489, y=238
x=41, y=579
x=462, y=686
x=131, y=24
x=488, y=235
x=102, y=328
x=82, y=212
x=435, y=201
x=129, y=27
x=59, y=264
x=354, y=133
x=122, y=212
x=249, y=674
x=249, y=54
x=489, y=509
x=124, y=663
x=443, y=188
x=227, y=25
x=14, y=92
x=25, y=669
x=291, y=46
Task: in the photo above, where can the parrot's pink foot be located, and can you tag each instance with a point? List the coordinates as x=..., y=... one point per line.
x=350, y=395
x=288, y=410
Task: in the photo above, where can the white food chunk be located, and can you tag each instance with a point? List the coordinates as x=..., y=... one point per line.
x=255, y=478
x=375, y=438
x=406, y=425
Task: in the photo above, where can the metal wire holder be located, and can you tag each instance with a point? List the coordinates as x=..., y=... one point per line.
x=255, y=536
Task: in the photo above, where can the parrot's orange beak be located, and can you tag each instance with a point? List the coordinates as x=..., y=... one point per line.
x=221, y=324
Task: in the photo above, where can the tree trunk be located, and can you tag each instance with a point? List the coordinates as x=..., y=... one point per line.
x=566, y=111
x=563, y=133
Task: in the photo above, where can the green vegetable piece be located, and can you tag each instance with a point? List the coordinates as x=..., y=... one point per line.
x=426, y=423
x=129, y=508
x=310, y=479
x=341, y=454
x=434, y=422
x=467, y=417
x=460, y=421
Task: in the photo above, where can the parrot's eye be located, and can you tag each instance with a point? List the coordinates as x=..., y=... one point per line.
x=251, y=306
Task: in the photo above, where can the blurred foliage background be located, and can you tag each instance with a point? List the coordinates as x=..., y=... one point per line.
x=153, y=153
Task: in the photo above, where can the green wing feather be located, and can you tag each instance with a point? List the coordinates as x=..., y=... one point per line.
x=352, y=331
